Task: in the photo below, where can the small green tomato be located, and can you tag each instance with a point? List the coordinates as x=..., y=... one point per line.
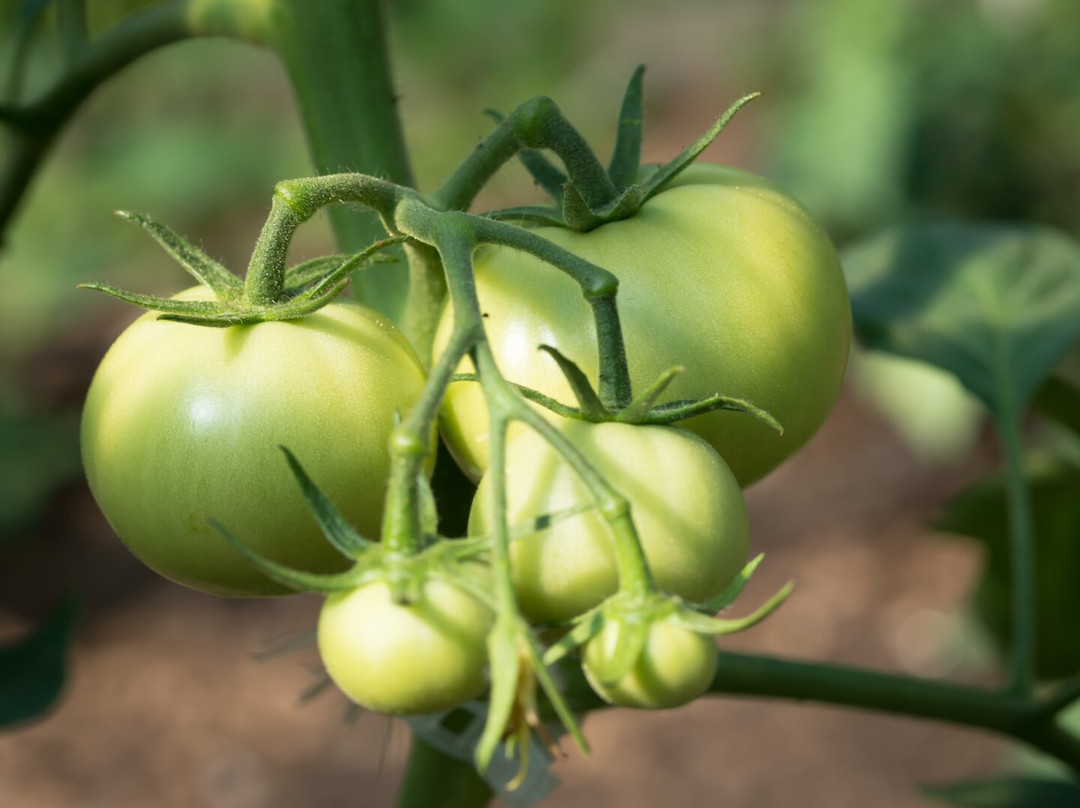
x=406, y=659
x=675, y=667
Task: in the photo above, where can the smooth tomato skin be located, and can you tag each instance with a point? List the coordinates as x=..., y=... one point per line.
x=676, y=666
x=424, y=657
x=721, y=273
x=685, y=502
x=182, y=423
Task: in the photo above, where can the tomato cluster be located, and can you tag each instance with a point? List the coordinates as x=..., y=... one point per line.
x=719, y=272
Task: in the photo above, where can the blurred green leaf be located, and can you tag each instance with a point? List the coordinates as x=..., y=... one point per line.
x=1009, y=792
x=33, y=670
x=981, y=512
x=995, y=305
x=37, y=453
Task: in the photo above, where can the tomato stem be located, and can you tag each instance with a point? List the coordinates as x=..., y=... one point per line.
x=536, y=124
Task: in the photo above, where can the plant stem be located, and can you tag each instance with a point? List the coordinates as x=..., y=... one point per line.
x=1022, y=568
x=336, y=56
x=599, y=287
x=435, y=780
x=536, y=124
x=37, y=125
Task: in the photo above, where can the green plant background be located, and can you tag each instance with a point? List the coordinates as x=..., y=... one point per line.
x=873, y=111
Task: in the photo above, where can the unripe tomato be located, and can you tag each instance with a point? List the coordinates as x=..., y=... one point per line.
x=675, y=667
x=183, y=423
x=686, y=505
x=422, y=657
x=720, y=272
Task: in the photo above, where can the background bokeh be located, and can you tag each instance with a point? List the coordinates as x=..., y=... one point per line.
x=873, y=111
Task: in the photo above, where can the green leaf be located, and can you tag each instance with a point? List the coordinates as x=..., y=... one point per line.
x=981, y=512
x=626, y=158
x=37, y=454
x=995, y=305
x=33, y=670
x=1008, y=792
x=637, y=411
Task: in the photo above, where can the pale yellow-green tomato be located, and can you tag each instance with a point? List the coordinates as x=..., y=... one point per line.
x=686, y=505
x=423, y=657
x=721, y=273
x=675, y=667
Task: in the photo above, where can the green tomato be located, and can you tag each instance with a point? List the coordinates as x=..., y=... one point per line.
x=183, y=423
x=721, y=273
x=675, y=667
x=423, y=657
x=687, y=507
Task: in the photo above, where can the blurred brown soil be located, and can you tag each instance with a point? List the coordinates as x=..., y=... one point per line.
x=167, y=706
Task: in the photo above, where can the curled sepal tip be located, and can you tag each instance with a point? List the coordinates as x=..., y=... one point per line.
x=675, y=411
x=667, y=172
x=703, y=624
x=732, y=590
x=286, y=576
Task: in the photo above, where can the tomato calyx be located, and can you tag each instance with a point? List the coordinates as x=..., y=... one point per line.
x=580, y=202
x=636, y=610
x=641, y=409
x=303, y=289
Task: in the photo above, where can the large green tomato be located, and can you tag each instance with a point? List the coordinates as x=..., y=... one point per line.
x=687, y=507
x=183, y=423
x=675, y=667
x=721, y=273
x=421, y=657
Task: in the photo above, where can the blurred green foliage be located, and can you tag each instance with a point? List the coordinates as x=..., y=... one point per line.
x=965, y=108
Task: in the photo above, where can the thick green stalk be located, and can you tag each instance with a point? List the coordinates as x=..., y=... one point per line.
x=336, y=56
x=435, y=780
x=1022, y=568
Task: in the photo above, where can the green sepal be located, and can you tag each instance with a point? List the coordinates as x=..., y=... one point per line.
x=168, y=305
x=667, y=172
x=302, y=275
x=580, y=216
x=674, y=411
x=333, y=525
x=626, y=159
x=637, y=411
x=558, y=703
x=591, y=407
x=529, y=393
x=547, y=174
x=537, y=215
x=703, y=624
x=223, y=283
x=504, y=660
x=585, y=628
x=630, y=638
x=732, y=590
x=286, y=576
